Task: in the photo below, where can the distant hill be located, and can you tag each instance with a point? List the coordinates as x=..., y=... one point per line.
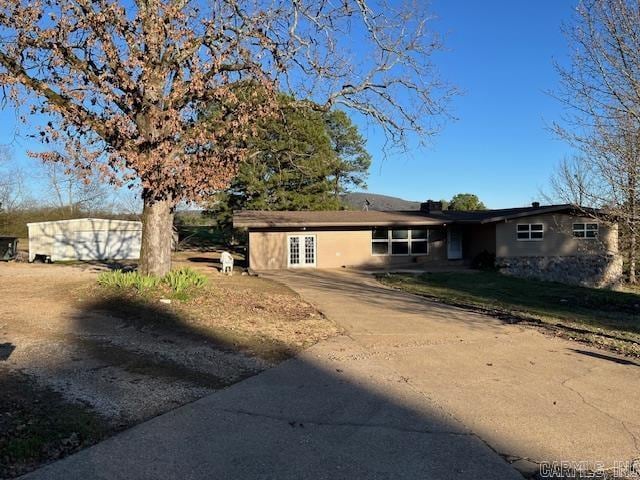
x=355, y=201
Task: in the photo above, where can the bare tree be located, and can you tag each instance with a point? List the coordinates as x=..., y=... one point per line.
x=602, y=90
x=125, y=84
x=73, y=194
x=12, y=185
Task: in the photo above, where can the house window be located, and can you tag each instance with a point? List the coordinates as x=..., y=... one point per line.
x=419, y=241
x=380, y=241
x=401, y=241
x=585, y=230
x=530, y=231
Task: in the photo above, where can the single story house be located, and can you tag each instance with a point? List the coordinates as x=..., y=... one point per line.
x=84, y=239
x=552, y=242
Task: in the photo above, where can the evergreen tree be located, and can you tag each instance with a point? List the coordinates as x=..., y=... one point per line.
x=301, y=160
x=351, y=160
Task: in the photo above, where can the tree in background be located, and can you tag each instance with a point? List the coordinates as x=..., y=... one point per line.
x=62, y=195
x=606, y=176
x=74, y=194
x=351, y=161
x=12, y=191
x=602, y=90
x=122, y=85
x=301, y=160
x=465, y=201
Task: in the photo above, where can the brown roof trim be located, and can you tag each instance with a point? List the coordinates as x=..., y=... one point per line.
x=337, y=224
x=353, y=218
x=543, y=211
x=322, y=219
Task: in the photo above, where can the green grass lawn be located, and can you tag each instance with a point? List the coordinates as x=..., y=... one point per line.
x=604, y=317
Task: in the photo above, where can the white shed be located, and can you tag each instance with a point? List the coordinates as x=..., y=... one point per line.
x=85, y=239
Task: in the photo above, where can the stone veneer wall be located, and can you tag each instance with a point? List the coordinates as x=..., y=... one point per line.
x=586, y=270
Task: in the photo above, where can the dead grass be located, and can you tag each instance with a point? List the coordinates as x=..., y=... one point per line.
x=262, y=322
x=246, y=313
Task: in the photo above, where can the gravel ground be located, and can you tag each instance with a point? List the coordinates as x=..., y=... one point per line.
x=61, y=336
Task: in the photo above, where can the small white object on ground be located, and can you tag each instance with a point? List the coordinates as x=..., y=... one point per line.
x=227, y=262
x=165, y=300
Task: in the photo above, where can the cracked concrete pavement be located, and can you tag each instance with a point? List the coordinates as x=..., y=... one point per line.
x=528, y=395
x=328, y=414
x=413, y=390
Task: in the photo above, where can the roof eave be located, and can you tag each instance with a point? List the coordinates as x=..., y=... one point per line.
x=541, y=211
x=70, y=220
x=241, y=224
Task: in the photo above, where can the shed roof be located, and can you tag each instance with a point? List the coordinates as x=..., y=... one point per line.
x=88, y=219
x=350, y=218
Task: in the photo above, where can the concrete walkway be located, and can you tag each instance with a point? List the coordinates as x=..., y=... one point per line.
x=413, y=390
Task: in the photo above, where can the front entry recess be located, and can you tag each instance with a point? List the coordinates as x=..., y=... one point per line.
x=301, y=251
x=454, y=244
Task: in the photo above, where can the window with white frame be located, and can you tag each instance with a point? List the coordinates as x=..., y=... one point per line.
x=399, y=241
x=530, y=231
x=585, y=230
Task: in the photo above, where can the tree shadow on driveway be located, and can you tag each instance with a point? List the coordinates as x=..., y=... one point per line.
x=326, y=414
x=6, y=349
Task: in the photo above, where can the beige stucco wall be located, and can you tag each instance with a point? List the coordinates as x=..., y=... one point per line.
x=558, y=238
x=352, y=248
x=335, y=248
x=103, y=235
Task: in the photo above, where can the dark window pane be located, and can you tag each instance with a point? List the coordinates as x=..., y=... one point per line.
x=523, y=228
x=400, y=248
x=536, y=234
x=380, y=233
x=578, y=226
x=592, y=233
x=592, y=226
x=536, y=227
x=578, y=234
x=418, y=248
x=380, y=248
x=400, y=234
x=419, y=233
x=523, y=235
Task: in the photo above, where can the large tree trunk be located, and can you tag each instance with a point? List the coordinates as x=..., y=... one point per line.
x=157, y=236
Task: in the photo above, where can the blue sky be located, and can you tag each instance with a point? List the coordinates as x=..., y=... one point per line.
x=500, y=54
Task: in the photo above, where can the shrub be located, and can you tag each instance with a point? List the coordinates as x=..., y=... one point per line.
x=179, y=281
x=485, y=260
x=127, y=280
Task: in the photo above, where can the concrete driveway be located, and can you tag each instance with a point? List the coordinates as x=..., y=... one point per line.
x=412, y=390
x=532, y=397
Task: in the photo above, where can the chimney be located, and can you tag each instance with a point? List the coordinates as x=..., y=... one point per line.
x=535, y=204
x=431, y=206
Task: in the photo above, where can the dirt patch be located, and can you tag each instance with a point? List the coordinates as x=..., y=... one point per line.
x=114, y=359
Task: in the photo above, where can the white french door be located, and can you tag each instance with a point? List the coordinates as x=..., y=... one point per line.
x=301, y=251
